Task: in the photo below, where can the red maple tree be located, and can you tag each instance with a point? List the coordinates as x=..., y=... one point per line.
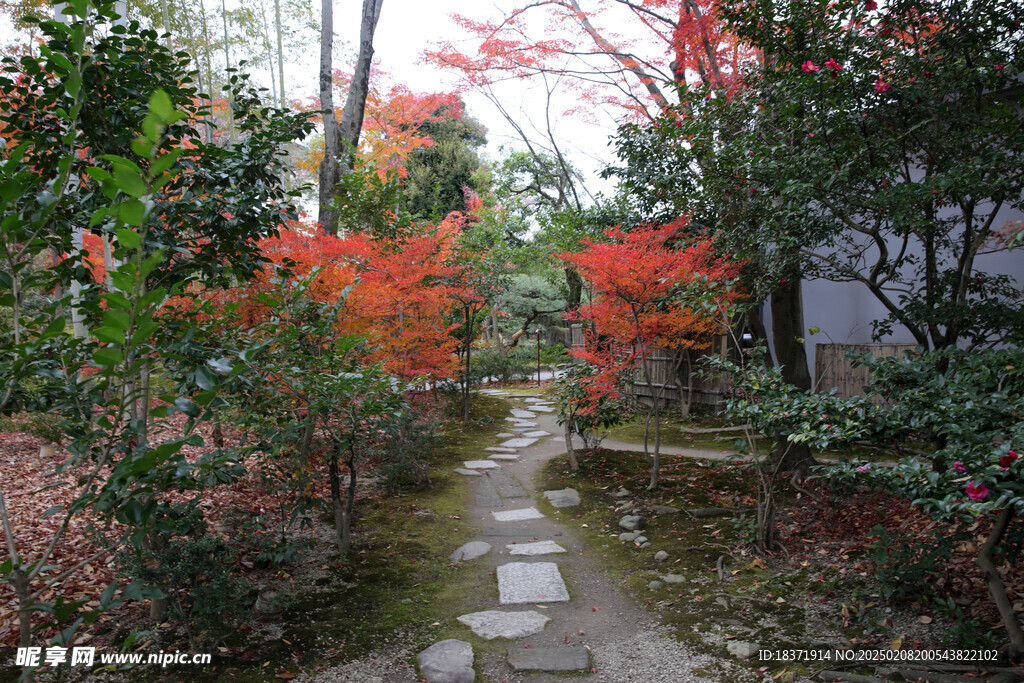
x=650, y=288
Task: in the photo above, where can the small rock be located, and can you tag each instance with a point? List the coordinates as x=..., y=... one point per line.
x=470, y=551
x=722, y=601
x=640, y=540
x=622, y=493
x=673, y=578
x=661, y=556
x=628, y=536
x=655, y=585
x=663, y=509
x=631, y=522
x=449, y=661
x=563, y=498
x=742, y=649
x=645, y=545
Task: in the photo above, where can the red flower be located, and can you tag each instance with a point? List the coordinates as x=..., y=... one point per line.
x=833, y=64
x=810, y=67
x=979, y=492
x=870, y=5
x=999, y=67
x=881, y=86
x=1008, y=459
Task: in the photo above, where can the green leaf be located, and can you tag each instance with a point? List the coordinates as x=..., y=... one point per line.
x=160, y=104
x=61, y=61
x=129, y=238
x=129, y=181
x=110, y=334
x=132, y=212
x=98, y=173
x=164, y=162
x=115, y=318
x=188, y=407
x=108, y=355
x=142, y=146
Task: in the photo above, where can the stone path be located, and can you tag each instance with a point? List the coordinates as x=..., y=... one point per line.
x=531, y=574
x=549, y=610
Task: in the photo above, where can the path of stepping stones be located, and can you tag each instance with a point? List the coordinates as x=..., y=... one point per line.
x=531, y=576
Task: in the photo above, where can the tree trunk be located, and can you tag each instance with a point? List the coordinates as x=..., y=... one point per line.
x=465, y=372
x=334, y=479
x=280, y=53
x=575, y=284
x=329, y=173
x=340, y=144
x=995, y=584
x=788, y=330
x=574, y=465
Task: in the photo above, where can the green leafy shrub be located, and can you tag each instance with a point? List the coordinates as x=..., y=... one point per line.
x=405, y=453
x=196, y=574
x=512, y=366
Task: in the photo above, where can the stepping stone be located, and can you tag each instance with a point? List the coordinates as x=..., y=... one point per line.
x=542, y=409
x=516, y=422
x=538, y=548
x=536, y=434
x=523, y=414
x=510, y=457
x=509, y=531
x=494, y=624
x=549, y=659
x=480, y=464
x=467, y=473
x=506, y=484
x=470, y=551
x=500, y=449
x=517, y=515
x=518, y=443
x=503, y=435
x=523, y=582
x=563, y=498
x=537, y=400
x=449, y=661
x=484, y=493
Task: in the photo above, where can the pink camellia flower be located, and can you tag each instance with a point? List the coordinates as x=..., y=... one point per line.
x=979, y=492
x=999, y=67
x=833, y=64
x=960, y=467
x=1008, y=459
x=870, y=5
x=863, y=468
x=881, y=86
x=810, y=67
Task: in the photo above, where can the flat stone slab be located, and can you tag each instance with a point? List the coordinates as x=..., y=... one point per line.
x=542, y=409
x=537, y=433
x=518, y=443
x=507, y=457
x=467, y=473
x=520, y=423
x=506, y=484
x=538, y=548
x=485, y=494
x=523, y=414
x=470, y=551
x=563, y=498
x=494, y=624
x=449, y=661
x=481, y=464
x=517, y=515
x=525, y=582
x=503, y=435
x=534, y=399
x=499, y=449
x=549, y=659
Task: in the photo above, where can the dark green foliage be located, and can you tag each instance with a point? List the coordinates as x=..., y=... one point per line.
x=197, y=574
x=439, y=174
x=405, y=454
x=513, y=365
x=915, y=569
